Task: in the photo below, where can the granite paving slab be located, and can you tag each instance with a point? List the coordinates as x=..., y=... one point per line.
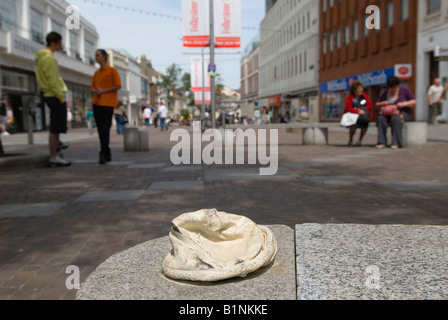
x=136, y=274
x=29, y=210
x=371, y=262
x=302, y=164
x=246, y=174
x=183, y=168
x=415, y=186
x=118, y=195
x=176, y=185
x=325, y=160
x=146, y=166
x=338, y=180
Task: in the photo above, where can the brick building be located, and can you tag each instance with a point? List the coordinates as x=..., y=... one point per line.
x=350, y=50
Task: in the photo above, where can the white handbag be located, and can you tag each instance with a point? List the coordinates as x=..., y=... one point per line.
x=349, y=119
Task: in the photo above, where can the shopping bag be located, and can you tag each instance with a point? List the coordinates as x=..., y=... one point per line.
x=349, y=119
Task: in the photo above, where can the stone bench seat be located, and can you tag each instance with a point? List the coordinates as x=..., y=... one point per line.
x=313, y=133
x=314, y=262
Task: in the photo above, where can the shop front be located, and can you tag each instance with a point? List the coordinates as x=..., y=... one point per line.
x=302, y=100
x=334, y=93
x=20, y=90
x=79, y=102
x=19, y=87
x=274, y=104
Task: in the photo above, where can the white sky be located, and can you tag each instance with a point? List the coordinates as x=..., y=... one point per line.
x=160, y=38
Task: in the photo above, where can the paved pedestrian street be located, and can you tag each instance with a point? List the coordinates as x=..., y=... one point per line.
x=52, y=218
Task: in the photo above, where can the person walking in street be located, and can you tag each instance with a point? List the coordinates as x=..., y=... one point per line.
x=105, y=85
x=53, y=89
x=358, y=102
x=435, y=100
x=119, y=113
x=400, y=99
x=156, y=117
x=163, y=113
x=147, y=114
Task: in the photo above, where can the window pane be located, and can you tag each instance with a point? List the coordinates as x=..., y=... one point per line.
x=433, y=6
x=8, y=15
x=355, y=31
x=56, y=27
x=37, y=26
x=390, y=14
x=73, y=45
x=404, y=10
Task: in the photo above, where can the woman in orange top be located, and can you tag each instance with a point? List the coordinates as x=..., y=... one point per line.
x=105, y=85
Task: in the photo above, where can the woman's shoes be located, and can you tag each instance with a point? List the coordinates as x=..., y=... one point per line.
x=380, y=146
x=394, y=147
x=105, y=158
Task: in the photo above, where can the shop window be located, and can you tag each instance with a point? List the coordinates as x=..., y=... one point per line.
x=331, y=106
x=17, y=81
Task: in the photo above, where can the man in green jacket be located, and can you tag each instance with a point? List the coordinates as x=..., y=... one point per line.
x=53, y=89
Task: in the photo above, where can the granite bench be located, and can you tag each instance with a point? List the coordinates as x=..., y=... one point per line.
x=313, y=133
x=314, y=262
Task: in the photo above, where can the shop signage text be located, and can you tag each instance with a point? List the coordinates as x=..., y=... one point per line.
x=369, y=79
x=23, y=48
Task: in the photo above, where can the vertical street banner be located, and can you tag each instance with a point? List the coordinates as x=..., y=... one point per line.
x=196, y=23
x=198, y=73
x=227, y=17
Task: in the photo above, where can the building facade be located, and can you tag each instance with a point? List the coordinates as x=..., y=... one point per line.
x=23, y=28
x=351, y=50
x=153, y=77
x=432, y=55
x=289, y=58
x=250, y=65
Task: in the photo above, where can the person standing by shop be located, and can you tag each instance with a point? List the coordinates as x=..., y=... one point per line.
x=105, y=85
x=435, y=100
x=53, y=89
x=119, y=113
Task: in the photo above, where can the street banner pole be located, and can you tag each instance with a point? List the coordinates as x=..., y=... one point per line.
x=212, y=63
x=203, y=86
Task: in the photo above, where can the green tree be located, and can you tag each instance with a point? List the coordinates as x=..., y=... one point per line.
x=186, y=87
x=170, y=81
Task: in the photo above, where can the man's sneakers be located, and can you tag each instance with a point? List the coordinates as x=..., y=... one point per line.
x=63, y=146
x=59, y=162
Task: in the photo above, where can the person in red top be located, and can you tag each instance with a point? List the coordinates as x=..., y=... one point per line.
x=359, y=102
x=105, y=85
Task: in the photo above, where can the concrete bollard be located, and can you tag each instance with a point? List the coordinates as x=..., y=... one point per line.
x=131, y=139
x=144, y=139
x=314, y=136
x=415, y=134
